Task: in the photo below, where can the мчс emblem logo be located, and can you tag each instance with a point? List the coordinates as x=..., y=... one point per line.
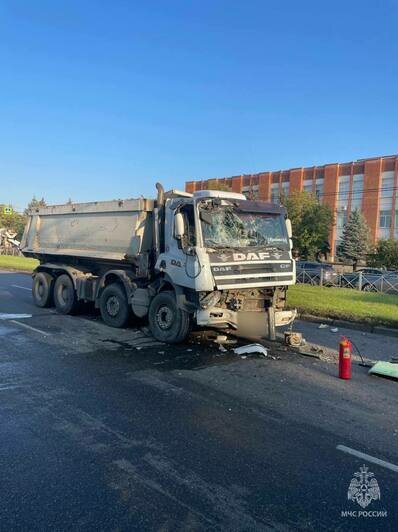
x=363, y=488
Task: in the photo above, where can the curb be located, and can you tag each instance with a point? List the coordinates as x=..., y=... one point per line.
x=12, y=270
x=357, y=326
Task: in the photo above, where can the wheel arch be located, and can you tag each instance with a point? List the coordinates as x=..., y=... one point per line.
x=59, y=269
x=115, y=276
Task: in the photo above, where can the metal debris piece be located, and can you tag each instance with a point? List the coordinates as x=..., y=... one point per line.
x=385, y=369
x=294, y=339
x=251, y=348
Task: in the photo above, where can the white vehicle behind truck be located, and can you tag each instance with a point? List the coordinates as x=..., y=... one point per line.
x=212, y=259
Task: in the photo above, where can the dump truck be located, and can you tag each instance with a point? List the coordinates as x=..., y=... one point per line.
x=211, y=259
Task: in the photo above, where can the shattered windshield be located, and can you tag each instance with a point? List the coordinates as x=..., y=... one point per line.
x=224, y=226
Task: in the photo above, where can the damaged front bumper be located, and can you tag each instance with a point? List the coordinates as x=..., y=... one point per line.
x=224, y=318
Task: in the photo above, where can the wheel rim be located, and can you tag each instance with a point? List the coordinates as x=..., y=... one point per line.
x=63, y=294
x=40, y=289
x=112, y=306
x=164, y=317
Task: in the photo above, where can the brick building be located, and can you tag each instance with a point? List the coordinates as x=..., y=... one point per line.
x=370, y=185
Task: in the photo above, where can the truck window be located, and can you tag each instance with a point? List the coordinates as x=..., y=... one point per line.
x=188, y=213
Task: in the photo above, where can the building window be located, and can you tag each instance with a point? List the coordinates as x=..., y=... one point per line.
x=386, y=192
x=251, y=192
x=307, y=185
x=285, y=188
x=275, y=194
x=319, y=189
x=357, y=192
x=396, y=224
x=385, y=220
x=343, y=192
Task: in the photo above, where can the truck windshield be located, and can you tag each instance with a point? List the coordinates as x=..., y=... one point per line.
x=225, y=226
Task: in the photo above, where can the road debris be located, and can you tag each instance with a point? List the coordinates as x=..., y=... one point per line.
x=323, y=326
x=222, y=348
x=294, y=339
x=385, y=369
x=251, y=348
x=334, y=330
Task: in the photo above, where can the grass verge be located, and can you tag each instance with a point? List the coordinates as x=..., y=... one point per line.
x=345, y=304
x=17, y=263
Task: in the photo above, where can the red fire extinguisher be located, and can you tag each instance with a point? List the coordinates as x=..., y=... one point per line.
x=345, y=354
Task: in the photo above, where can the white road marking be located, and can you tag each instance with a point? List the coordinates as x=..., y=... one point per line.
x=21, y=287
x=368, y=458
x=8, y=316
x=30, y=328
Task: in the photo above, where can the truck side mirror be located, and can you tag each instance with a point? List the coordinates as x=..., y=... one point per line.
x=179, y=226
x=289, y=228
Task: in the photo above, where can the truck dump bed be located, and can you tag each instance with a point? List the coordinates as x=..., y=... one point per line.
x=108, y=230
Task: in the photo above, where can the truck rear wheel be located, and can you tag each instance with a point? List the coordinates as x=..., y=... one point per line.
x=114, y=306
x=64, y=295
x=167, y=322
x=43, y=289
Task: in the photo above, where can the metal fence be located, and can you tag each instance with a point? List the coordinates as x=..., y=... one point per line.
x=368, y=282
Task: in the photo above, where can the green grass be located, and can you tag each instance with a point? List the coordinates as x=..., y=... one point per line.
x=345, y=304
x=17, y=263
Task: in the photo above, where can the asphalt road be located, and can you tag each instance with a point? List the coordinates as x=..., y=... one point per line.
x=105, y=429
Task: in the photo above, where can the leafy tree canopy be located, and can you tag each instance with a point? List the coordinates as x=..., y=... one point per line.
x=311, y=222
x=385, y=254
x=35, y=204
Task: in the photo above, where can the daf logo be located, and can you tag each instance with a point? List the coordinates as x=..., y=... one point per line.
x=223, y=257
x=251, y=256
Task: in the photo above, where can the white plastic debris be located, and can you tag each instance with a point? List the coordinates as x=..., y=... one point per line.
x=4, y=316
x=323, y=326
x=251, y=348
x=334, y=330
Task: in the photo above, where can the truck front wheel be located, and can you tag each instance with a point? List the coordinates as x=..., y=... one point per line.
x=114, y=306
x=64, y=295
x=167, y=322
x=43, y=289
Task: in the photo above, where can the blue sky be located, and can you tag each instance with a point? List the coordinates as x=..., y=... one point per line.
x=98, y=100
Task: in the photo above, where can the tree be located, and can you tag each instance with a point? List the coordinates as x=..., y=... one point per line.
x=35, y=204
x=311, y=222
x=355, y=243
x=385, y=255
x=15, y=221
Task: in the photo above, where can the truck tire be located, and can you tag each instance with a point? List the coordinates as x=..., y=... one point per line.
x=43, y=289
x=64, y=295
x=114, y=306
x=167, y=322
